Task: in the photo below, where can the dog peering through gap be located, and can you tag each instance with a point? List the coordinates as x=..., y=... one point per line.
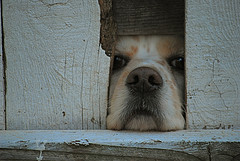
x=147, y=86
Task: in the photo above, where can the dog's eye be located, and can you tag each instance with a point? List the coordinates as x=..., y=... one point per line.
x=177, y=63
x=119, y=62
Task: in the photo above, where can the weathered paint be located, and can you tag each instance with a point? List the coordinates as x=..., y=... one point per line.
x=123, y=145
x=57, y=74
x=212, y=64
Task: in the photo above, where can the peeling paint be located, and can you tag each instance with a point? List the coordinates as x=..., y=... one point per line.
x=84, y=142
x=40, y=146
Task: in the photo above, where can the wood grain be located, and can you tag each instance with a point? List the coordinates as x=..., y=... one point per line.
x=212, y=57
x=114, y=145
x=140, y=17
x=2, y=91
x=57, y=75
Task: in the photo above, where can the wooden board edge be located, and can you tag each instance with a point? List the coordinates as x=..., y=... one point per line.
x=123, y=145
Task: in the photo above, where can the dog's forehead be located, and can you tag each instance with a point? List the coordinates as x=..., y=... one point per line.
x=163, y=46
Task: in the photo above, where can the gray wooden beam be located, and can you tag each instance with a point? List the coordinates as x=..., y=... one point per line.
x=123, y=145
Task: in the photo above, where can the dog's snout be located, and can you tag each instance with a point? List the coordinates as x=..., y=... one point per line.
x=144, y=79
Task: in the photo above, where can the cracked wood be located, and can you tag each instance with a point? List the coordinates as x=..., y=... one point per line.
x=212, y=145
x=212, y=64
x=57, y=75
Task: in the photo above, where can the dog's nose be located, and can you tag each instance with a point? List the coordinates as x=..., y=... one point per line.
x=144, y=79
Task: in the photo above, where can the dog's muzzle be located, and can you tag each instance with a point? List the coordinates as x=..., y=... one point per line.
x=144, y=80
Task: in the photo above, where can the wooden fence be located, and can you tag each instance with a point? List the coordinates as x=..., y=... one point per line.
x=54, y=76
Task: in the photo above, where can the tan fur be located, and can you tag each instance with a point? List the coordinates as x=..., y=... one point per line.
x=152, y=52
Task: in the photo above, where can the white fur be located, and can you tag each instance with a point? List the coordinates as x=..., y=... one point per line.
x=171, y=100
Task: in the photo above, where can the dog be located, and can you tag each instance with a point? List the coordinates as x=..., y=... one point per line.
x=147, y=84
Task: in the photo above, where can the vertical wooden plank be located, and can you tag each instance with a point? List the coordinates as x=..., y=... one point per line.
x=213, y=68
x=57, y=75
x=2, y=100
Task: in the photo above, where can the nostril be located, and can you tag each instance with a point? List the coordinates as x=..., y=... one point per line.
x=133, y=79
x=151, y=80
x=155, y=80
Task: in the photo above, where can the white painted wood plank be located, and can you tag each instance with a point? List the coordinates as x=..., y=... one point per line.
x=212, y=57
x=2, y=104
x=123, y=145
x=57, y=75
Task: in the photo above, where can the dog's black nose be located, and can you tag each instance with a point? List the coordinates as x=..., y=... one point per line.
x=144, y=79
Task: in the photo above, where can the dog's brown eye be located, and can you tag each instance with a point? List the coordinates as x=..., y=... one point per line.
x=177, y=63
x=119, y=62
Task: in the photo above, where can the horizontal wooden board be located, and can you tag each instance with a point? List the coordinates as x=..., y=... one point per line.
x=115, y=145
x=141, y=17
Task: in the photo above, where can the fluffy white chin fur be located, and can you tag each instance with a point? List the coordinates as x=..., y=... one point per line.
x=141, y=123
x=146, y=123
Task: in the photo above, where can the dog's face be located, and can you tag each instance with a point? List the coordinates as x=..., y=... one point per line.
x=147, y=84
